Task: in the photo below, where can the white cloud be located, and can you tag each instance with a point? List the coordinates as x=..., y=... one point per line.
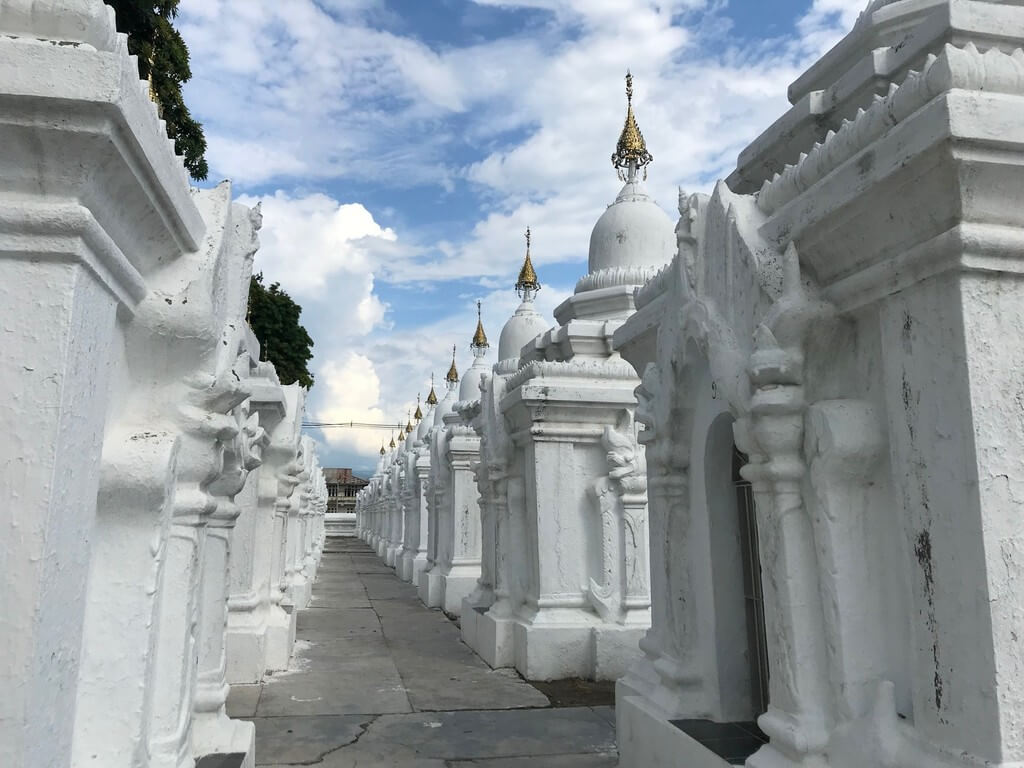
x=313, y=244
x=308, y=93
x=826, y=22
x=352, y=394
x=380, y=383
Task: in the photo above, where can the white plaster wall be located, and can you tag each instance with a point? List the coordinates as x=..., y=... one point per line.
x=58, y=324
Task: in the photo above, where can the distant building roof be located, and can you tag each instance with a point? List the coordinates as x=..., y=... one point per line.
x=343, y=476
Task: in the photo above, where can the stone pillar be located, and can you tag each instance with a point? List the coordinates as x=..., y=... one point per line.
x=396, y=514
x=461, y=569
x=285, y=450
x=800, y=713
x=477, y=602
x=252, y=544
x=429, y=584
x=213, y=732
x=492, y=635
x=299, y=587
x=421, y=560
x=414, y=524
x=438, y=493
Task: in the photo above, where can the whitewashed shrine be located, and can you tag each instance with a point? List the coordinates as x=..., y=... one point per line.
x=576, y=479
x=148, y=450
x=833, y=437
x=487, y=612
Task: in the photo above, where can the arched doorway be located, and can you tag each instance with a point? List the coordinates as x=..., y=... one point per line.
x=739, y=627
x=753, y=595
x=738, y=648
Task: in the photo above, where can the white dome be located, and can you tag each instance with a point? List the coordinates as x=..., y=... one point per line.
x=633, y=232
x=522, y=328
x=424, y=426
x=470, y=387
x=445, y=406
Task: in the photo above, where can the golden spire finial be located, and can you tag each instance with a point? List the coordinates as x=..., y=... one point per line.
x=382, y=451
x=408, y=423
x=452, y=377
x=479, y=342
x=432, y=397
x=392, y=443
x=631, y=152
x=419, y=411
x=527, y=281
x=401, y=432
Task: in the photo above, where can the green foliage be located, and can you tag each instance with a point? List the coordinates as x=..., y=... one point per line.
x=163, y=57
x=274, y=318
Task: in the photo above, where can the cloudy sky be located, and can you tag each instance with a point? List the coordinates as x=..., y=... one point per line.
x=401, y=147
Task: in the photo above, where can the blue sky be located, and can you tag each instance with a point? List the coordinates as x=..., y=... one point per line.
x=400, y=148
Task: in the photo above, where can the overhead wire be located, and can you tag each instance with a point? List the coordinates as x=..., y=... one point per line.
x=349, y=425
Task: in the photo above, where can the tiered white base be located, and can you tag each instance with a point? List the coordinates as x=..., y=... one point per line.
x=224, y=736
x=431, y=587
x=556, y=644
x=280, y=638
x=246, y=653
x=403, y=568
x=473, y=609
x=495, y=637
x=299, y=593
x=648, y=740
x=457, y=585
x=412, y=566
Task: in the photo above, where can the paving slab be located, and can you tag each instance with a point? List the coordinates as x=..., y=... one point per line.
x=340, y=598
x=476, y=735
x=363, y=684
x=369, y=564
x=305, y=740
x=384, y=586
x=443, y=673
x=590, y=760
x=337, y=624
x=381, y=681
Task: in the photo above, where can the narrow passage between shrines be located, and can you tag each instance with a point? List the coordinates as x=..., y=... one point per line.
x=379, y=680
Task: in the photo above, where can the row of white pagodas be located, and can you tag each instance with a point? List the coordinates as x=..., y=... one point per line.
x=565, y=479
x=549, y=569
x=419, y=511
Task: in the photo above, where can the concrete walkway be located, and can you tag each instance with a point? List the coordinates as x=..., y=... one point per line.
x=380, y=681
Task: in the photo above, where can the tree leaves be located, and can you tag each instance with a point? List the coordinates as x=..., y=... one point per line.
x=274, y=318
x=163, y=59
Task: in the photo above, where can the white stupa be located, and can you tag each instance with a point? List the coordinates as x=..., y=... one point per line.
x=575, y=557
x=525, y=325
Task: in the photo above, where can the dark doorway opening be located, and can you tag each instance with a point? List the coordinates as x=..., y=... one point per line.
x=753, y=595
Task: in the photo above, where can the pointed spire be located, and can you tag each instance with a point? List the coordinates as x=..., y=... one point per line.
x=408, y=423
x=479, y=344
x=432, y=397
x=382, y=451
x=401, y=434
x=527, y=285
x=419, y=411
x=631, y=152
x=391, y=445
x=452, y=377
